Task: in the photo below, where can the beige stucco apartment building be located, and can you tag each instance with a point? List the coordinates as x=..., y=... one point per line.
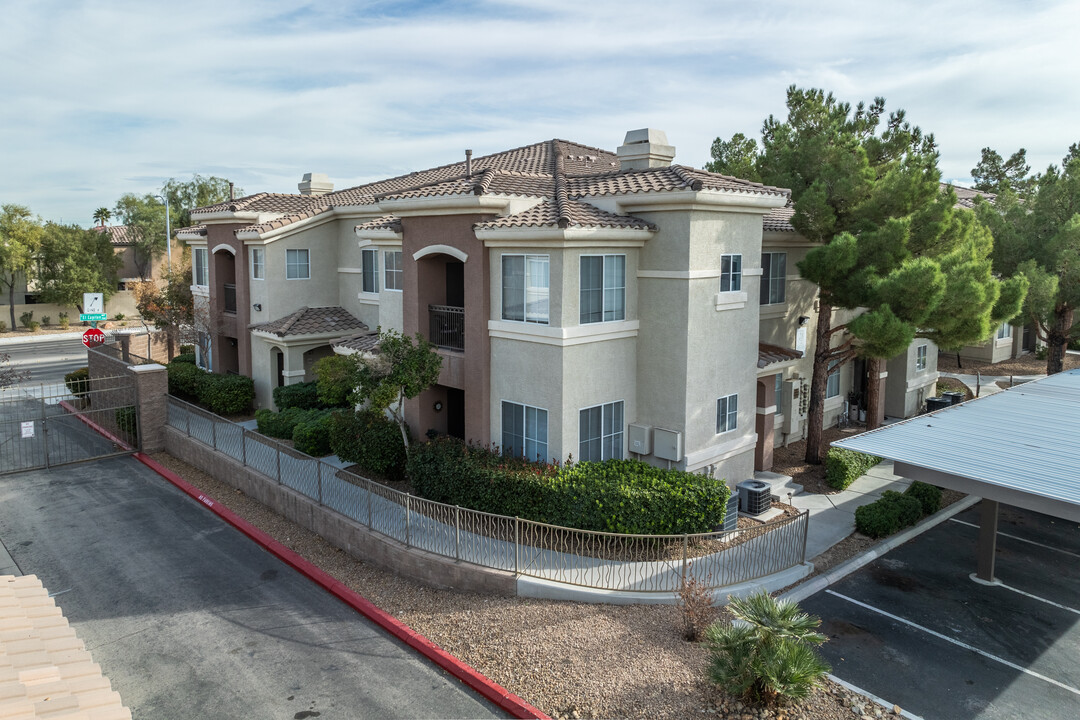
x=586, y=303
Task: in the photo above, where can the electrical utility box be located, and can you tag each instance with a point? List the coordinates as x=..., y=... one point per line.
x=639, y=438
x=667, y=444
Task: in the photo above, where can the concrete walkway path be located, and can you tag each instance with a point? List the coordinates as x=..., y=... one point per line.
x=988, y=384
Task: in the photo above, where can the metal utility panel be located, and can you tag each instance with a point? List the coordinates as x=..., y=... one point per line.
x=640, y=438
x=667, y=444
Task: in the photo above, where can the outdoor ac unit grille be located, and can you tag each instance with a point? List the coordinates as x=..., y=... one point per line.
x=755, y=497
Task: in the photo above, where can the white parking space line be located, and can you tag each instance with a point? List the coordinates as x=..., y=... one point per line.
x=954, y=641
x=1036, y=597
x=1015, y=537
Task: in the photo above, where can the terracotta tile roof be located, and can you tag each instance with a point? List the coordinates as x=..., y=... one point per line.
x=360, y=342
x=312, y=321
x=119, y=235
x=263, y=202
x=486, y=182
x=778, y=220
x=965, y=197
x=193, y=230
x=575, y=214
x=675, y=177
x=769, y=354
x=286, y=219
x=386, y=222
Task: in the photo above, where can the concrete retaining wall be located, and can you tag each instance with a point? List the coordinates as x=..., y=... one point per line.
x=335, y=528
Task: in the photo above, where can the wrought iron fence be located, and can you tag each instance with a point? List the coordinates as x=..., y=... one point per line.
x=447, y=326
x=610, y=561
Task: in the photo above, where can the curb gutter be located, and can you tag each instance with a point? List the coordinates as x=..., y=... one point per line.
x=487, y=688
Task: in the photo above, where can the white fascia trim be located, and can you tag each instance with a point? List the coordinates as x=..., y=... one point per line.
x=731, y=301
x=922, y=381
x=286, y=230
x=562, y=237
x=770, y=410
x=441, y=250
x=375, y=236
x=201, y=291
x=200, y=243
x=678, y=274
x=351, y=271
x=753, y=272
x=367, y=298
x=720, y=451
x=701, y=200
x=225, y=247
x=563, y=336
x=298, y=340
x=189, y=238
x=445, y=205
x=773, y=368
x=223, y=217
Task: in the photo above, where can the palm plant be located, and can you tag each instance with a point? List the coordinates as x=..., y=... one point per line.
x=768, y=652
x=102, y=215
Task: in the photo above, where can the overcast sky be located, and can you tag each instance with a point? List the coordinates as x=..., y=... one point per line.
x=102, y=98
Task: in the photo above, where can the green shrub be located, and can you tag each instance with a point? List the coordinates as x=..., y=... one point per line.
x=184, y=380
x=301, y=395
x=929, y=496
x=369, y=439
x=313, y=436
x=185, y=349
x=622, y=496
x=188, y=358
x=282, y=424
x=78, y=381
x=34, y=325
x=1041, y=352
x=226, y=394
x=63, y=320
x=3, y=326
x=127, y=423
x=46, y=321
x=26, y=318
x=843, y=467
x=768, y=656
x=888, y=514
x=119, y=316
x=336, y=379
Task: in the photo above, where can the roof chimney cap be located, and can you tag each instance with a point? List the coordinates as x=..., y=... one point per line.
x=645, y=148
x=315, y=184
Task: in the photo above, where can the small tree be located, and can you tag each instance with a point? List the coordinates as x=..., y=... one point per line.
x=20, y=237
x=336, y=379
x=10, y=375
x=168, y=305
x=72, y=261
x=770, y=655
x=400, y=370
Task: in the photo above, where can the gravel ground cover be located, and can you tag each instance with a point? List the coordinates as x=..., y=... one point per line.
x=570, y=660
x=1024, y=365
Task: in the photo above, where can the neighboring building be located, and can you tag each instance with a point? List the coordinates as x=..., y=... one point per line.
x=586, y=303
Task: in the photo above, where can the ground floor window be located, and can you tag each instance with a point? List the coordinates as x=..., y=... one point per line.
x=727, y=414
x=832, y=387
x=600, y=433
x=524, y=431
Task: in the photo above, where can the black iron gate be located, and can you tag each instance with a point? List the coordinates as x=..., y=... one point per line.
x=45, y=425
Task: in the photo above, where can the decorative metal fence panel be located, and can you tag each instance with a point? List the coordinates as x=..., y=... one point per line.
x=577, y=557
x=46, y=425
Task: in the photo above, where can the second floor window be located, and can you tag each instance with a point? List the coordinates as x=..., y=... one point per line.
x=297, y=265
x=832, y=387
x=920, y=358
x=258, y=265
x=392, y=263
x=603, y=288
x=730, y=273
x=370, y=270
x=199, y=267
x=773, y=278
x=525, y=288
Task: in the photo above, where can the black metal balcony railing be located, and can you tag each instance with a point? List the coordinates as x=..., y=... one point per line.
x=447, y=326
x=230, y=298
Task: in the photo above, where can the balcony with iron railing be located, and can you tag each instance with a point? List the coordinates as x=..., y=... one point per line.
x=229, y=296
x=446, y=328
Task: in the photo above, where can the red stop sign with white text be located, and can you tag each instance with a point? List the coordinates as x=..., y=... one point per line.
x=93, y=337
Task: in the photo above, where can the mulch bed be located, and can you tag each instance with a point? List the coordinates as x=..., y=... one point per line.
x=1024, y=365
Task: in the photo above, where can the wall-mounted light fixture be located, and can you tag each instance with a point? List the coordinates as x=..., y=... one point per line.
x=437, y=407
x=258, y=307
x=803, y=319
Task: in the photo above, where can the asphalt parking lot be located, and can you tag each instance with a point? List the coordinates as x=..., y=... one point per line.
x=189, y=618
x=915, y=630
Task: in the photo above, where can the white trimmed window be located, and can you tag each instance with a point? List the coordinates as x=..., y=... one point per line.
x=1005, y=331
x=369, y=270
x=392, y=265
x=297, y=265
x=773, y=278
x=258, y=264
x=199, y=267
x=524, y=431
x=832, y=387
x=603, y=288
x=920, y=358
x=779, y=394
x=600, y=433
x=525, y=288
x=730, y=273
x=727, y=414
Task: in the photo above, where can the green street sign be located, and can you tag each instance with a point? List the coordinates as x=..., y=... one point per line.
x=92, y=317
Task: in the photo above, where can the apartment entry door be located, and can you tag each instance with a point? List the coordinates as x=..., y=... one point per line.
x=455, y=413
x=455, y=284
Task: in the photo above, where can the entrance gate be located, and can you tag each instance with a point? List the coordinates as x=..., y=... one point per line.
x=45, y=425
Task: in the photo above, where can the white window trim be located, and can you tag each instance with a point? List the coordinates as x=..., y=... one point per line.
x=400, y=271
x=262, y=252
x=731, y=273
x=925, y=358
x=525, y=289
x=765, y=280
x=206, y=266
x=621, y=431
x=727, y=412
x=525, y=407
x=603, y=287
x=289, y=250
x=375, y=254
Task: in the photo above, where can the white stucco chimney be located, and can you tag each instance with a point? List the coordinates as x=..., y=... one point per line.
x=645, y=148
x=315, y=184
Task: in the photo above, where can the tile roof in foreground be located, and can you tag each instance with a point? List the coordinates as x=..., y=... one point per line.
x=386, y=222
x=769, y=354
x=574, y=214
x=778, y=220
x=360, y=342
x=192, y=230
x=312, y=321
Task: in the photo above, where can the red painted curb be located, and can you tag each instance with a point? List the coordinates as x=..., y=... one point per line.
x=71, y=409
x=486, y=687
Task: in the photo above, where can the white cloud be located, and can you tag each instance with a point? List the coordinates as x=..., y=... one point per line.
x=101, y=98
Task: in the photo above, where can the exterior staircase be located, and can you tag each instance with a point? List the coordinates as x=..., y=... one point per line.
x=781, y=485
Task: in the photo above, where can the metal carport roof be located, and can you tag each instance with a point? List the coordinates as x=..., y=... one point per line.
x=1020, y=447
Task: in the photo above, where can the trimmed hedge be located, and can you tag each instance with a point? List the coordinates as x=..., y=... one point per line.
x=283, y=424
x=313, y=436
x=336, y=380
x=929, y=496
x=185, y=358
x=369, y=439
x=304, y=396
x=843, y=467
x=226, y=394
x=891, y=512
x=78, y=381
x=184, y=379
x=622, y=496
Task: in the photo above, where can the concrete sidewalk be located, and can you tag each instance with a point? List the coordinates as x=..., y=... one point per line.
x=832, y=517
x=988, y=384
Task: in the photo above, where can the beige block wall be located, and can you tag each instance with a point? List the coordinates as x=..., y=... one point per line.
x=906, y=388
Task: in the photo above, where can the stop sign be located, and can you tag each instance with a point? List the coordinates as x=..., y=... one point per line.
x=93, y=337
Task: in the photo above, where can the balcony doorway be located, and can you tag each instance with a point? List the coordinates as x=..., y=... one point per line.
x=455, y=413
x=446, y=320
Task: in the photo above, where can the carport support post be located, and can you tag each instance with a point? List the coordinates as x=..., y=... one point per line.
x=988, y=522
